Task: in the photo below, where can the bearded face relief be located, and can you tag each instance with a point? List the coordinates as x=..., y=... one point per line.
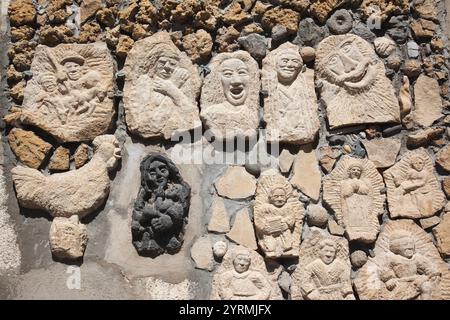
x=290, y=107
x=161, y=88
x=353, y=83
x=161, y=209
x=230, y=96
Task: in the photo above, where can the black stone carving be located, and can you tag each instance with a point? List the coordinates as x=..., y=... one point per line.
x=161, y=209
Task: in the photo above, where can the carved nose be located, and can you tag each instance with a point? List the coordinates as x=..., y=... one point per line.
x=349, y=63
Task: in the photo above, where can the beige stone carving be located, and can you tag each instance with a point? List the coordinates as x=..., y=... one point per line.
x=243, y=275
x=306, y=173
x=236, y=183
x=406, y=265
x=324, y=269
x=290, y=108
x=71, y=93
x=28, y=147
x=161, y=88
x=427, y=101
x=442, y=235
x=219, y=221
x=230, y=96
x=68, y=238
x=382, y=152
x=278, y=216
x=353, y=191
x=202, y=253
x=353, y=83
x=242, y=231
x=384, y=46
x=412, y=188
x=220, y=248
x=77, y=192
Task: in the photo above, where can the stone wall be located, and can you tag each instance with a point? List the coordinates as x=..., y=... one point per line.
x=370, y=94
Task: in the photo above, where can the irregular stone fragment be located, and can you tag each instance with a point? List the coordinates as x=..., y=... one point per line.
x=297, y=5
x=89, y=8
x=81, y=155
x=306, y=173
x=353, y=191
x=17, y=92
x=428, y=103
x=198, y=45
x=328, y=157
x=68, y=238
x=362, y=30
x=402, y=245
x=227, y=39
x=358, y=258
x=161, y=88
x=412, y=68
x=309, y=33
x=54, y=35
x=28, y=147
x=423, y=29
x=236, y=183
x=384, y=46
x=423, y=137
x=429, y=222
x=290, y=108
x=219, y=221
x=205, y=20
x=308, y=54
x=70, y=94
x=382, y=152
x=405, y=98
x=326, y=270
x=413, y=49
x=202, y=254
x=284, y=17
x=446, y=186
x=340, y=22
x=243, y=275
x=242, y=231
x=235, y=14
x=220, y=248
x=443, y=158
x=334, y=228
x=21, y=12
x=77, y=192
x=412, y=188
x=278, y=216
x=384, y=8
x=106, y=17
x=285, y=161
x=254, y=44
x=230, y=96
x=317, y=216
x=322, y=8
x=124, y=45
x=442, y=235
x=363, y=95
x=60, y=160
x=22, y=33
x=426, y=9
x=398, y=28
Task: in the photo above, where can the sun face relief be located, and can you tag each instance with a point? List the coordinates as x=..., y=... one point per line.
x=235, y=78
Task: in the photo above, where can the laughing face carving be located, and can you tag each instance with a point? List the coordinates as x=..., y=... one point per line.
x=354, y=86
x=229, y=98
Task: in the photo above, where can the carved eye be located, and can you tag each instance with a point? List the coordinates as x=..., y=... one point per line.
x=242, y=72
x=347, y=48
x=334, y=60
x=227, y=73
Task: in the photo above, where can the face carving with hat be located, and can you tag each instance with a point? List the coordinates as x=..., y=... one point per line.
x=73, y=65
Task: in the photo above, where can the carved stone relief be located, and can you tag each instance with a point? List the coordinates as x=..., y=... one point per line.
x=230, y=96
x=161, y=209
x=353, y=83
x=278, y=217
x=353, y=191
x=412, y=188
x=161, y=88
x=290, y=108
x=70, y=94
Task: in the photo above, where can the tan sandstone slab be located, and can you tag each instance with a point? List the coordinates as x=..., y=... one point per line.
x=219, y=221
x=382, y=152
x=290, y=108
x=306, y=173
x=443, y=158
x=202, y=253
x=68, y=238
x=236, y=183
x=161, y=88
x=353, y=83
x=442, y=235
x=285, y=161
x=81, y=155
x=242, y=231
x=328, y=157
x=60, y=160
x=429, y=222
x=428, y=103
x=28, y=147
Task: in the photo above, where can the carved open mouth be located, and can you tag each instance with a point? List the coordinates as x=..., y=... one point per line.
x=289, y=71
x=237, y=92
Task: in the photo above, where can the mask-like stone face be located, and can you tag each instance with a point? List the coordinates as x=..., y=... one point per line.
x=288, y=67
x=220, y=248
x=327, y=254
x=278, y=197
x=241, y=263
x=165, y=66
x=157, y=174
x=407, y=248
x=235, y=77
x=49, y=83
x=73, y=70
x=354, y=172
x=417, y=164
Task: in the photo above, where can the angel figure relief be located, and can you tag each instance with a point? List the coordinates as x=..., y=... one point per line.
x=353, y=191
x=278, y=217
x=68, y=95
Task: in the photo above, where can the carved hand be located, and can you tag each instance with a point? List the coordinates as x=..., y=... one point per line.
x=165, y=87
x=180, y=76
x=162, y=223
x=391, y=284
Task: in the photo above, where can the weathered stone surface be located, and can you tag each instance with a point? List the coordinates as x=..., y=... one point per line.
x=21, y=12
x=81, y=155
x=60, y=160
x=442, y=235
x=298, y=5
x=106, y=17
x=88, y=9
x=78, y=192
x=384, y=46
x=161, y=88
x=413, y=49
x=236, y=183
x=423, y=29
x=158, y=289
x=242, y=231
x=308, y=54
x=230, y=96
x=278, y=216
x=428, y=103
x=317, y=216
x=426, y=9
x=22, y=33
x=54, y=35
x=219, y=221
x=309, y=33
x=398, y=28
x=429, y=222
x=220, y=248
x=353, y=191
x=412, y=68
x=322, y=8
x=70, y=93
x=254, y=44
x=198, y=45
x=306, y=173
x=285, y=161
x=202, y=254
x=382, y=9
x=236, y=13
x=28, y=147
x=326, y=269
x=161, y=209
x=406, y=265
x=412, y=188
x=68, y=238
x=227, y=39
x=362, y=95
x=340, y=22
x=206, y=20
x=328, y=157
x=443, y=158
x=290, y=108
x=446, y=186
x=405, y=100
x=382, y=152
x=334, y=228
x=124, y=46
x=285, y=17
x=358, y=258
x=243, y=275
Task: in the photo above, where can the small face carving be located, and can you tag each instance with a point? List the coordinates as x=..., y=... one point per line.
x=235, y=78
x=354, y=172
x=406, y=247
x=49, y=83
x=348, y=66
x=165, y=66
x=73, y=70
x=220, y=248
x=288, y=67
x=158, y=174
x=327, y=254
x=417, y=163
x=278, y=197
x=241, y=262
